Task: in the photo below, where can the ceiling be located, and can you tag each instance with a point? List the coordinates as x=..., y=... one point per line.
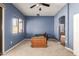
x=46, y=11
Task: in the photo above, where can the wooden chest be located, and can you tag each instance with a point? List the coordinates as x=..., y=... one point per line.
x=39, y=41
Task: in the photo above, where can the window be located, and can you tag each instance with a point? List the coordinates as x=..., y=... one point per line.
x=15, y=25
x=20, y=25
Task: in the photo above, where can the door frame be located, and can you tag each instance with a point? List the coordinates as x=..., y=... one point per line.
x=64, y=27
x=75, y=33
x=3, y=26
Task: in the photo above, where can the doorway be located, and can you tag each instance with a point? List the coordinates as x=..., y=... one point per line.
x=62, y=30
x=0, y=30
x=76, y=34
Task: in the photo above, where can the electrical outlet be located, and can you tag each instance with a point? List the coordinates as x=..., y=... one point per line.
x=11, y=42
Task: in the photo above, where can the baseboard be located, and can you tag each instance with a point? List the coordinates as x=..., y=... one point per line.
x=14, y=46
x=69, y=49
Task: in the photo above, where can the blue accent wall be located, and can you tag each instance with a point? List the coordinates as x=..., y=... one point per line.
x=73, y=9
x=62, y=12
x=10, y=13
x=39, y=25
x=68, y=11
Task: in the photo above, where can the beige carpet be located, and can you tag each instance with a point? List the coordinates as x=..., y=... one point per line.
x=54, y=49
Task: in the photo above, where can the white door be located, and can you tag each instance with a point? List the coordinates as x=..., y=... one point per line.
x=76, y=34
